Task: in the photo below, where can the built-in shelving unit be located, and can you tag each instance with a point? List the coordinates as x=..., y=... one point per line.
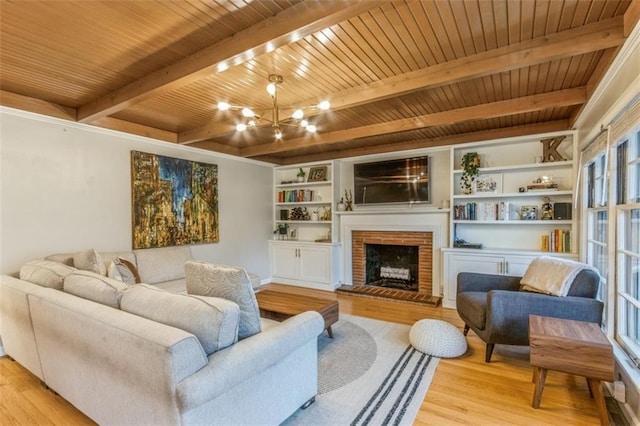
x=304, y=247
x=503, y=213
x=499, y=212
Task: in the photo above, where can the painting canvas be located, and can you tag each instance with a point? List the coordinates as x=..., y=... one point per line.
x=174, y=201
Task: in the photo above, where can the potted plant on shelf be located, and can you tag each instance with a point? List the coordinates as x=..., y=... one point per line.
x=470, y=164
x=301, y=174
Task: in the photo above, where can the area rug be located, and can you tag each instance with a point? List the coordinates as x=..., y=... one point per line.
x=367, y=374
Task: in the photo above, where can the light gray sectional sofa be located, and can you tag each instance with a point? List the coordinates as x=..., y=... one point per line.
x=93, y=341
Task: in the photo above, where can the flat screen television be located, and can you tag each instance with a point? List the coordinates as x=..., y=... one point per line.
x=404, y=180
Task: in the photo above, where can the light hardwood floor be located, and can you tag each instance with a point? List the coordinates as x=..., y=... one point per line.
x=464, y=390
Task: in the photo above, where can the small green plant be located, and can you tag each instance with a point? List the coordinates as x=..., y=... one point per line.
x=470, y=164
x=301, y=172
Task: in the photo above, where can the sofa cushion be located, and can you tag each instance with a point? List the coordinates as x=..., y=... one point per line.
x=174, y=286
x=158, y=265
x=122, y=270
x=213, y=321
x=46, y=273
x=89, y=260
x=95, y=287
x=230, y=283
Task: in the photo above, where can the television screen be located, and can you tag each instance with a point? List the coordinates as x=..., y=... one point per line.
x=404, y=180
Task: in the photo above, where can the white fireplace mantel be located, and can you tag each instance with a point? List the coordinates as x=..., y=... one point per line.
x=433, y=220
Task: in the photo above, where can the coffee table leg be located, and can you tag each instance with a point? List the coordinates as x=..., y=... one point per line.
x=596, y=388
x=330, y=332
x=540, y=376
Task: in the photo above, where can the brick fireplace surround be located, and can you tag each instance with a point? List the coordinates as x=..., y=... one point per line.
x=424, y=242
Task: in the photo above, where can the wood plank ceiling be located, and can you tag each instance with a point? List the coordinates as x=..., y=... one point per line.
x=399, y=74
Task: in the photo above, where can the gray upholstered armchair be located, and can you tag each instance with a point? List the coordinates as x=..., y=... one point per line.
x=498, y=312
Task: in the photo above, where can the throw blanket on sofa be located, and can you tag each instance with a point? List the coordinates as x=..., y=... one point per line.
x=551, y=275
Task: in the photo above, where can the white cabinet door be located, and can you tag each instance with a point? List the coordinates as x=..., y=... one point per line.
x=482, y=264
x=284, y=260
x=315, y=263
x=517, y=265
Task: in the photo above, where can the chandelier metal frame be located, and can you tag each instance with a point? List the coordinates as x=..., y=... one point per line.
x=295, y=119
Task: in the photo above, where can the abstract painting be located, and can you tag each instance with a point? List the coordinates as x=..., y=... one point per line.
x=174, y=201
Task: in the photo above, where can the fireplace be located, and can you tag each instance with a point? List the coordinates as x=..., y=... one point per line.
x=392, y=266
x=400, y=262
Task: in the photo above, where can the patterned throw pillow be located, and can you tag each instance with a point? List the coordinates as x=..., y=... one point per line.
x=122, y=270
x=226, y=282
x=89, y=260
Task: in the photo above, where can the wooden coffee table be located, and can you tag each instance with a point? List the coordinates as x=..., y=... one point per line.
x=574, y=347
x=279, y=306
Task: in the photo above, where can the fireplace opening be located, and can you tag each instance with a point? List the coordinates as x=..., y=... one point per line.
x=392, y=266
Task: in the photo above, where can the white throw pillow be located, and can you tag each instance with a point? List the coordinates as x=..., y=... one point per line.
x=89, y=260
x=229, y=283
x=46, y=273
x=122, y=270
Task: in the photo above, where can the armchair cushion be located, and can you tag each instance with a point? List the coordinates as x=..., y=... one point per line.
x=474, y=306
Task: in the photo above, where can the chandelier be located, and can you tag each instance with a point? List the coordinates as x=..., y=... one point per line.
x=295, y=119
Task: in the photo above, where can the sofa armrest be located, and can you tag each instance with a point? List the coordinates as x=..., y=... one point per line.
x=508, y=311
x=235, y=364
x=473, y=281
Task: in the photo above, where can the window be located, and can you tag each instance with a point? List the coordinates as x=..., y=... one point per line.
x=612, y=214
x=597, y=235
x=596, y=182
x=628, y=245
x=597, y=223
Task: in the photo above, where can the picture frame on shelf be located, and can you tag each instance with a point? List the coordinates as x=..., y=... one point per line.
x=488, y=183
x=317, y=174
x=529, y=212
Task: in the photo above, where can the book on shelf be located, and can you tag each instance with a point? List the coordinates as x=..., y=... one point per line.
x=483, y=211
x=296, y=196
x=556, y=241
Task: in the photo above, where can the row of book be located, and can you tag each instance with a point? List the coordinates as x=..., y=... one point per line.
x=485, y=211
x=558, y=241
x=296, y=196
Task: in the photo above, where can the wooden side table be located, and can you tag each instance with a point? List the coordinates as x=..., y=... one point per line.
x=573, y=347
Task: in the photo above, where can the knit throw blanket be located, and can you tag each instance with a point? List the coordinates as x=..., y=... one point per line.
x=551, y=275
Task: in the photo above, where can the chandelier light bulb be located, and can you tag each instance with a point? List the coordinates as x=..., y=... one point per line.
x=311, y=128
x=297, y=114
x=246, y=112
x=241, y=127
x=223, y=106
x=277, y=133
x=304, y=123
x=271, y=89
x=324, y=105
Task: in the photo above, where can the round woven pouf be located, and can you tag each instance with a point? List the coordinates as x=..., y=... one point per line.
x=437, y=338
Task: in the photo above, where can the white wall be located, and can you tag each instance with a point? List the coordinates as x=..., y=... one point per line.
x=66, y=186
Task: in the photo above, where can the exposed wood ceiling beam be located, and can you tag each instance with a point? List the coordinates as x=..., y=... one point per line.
x=589, y=38
x=561, y=98
x=26, y=103
x=507, y=132
x=291, y=24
